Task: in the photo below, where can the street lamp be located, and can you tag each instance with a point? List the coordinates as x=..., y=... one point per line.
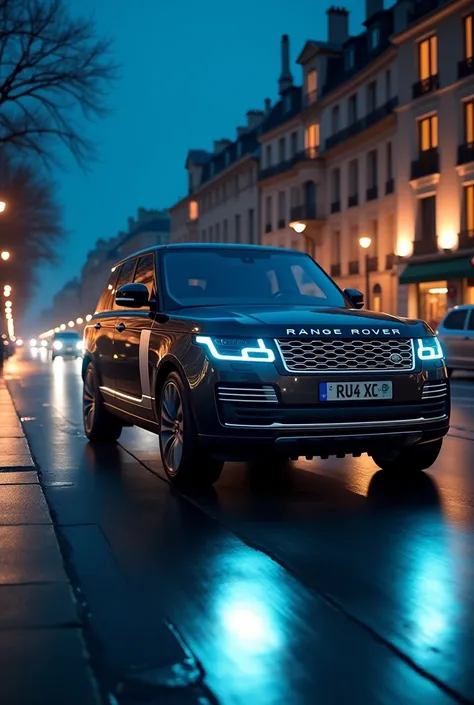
x=3, y=205
x=298, y=227
x=365, y=243
x=5, y=255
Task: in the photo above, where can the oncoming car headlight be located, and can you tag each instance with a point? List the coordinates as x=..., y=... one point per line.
x=80, y=345
x=57, y=345
x=429, y=349
x=236, y=350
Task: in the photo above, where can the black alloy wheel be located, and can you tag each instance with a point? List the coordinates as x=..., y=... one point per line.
x=100, y=425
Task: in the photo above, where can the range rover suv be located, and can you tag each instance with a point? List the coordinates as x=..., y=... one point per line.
x=233, y=352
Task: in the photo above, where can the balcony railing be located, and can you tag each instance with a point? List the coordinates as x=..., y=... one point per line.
x=335, y=270
x=363, y=124
x=426, y=85
x=466, y=153
x=466, y=67
x=305, y=212
x=287, y=164
x=354, y=267
x=373, y=264
x=372, y=193
x=268, y=228
x=390, y=260
x=310, y=97
x=281, y=224
x=426, y=164
x=466, y=239
x=427, y=246
x=353, y=200
x=335, y=206
x=390, y=186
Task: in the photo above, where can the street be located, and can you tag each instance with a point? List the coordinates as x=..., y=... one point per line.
x=324, y=582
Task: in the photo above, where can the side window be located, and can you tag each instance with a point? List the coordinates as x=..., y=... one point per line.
x=106, y=298
x=125, y=277
x=145, y=273
x=470, y=323
x=305, y=284
x=455, y=320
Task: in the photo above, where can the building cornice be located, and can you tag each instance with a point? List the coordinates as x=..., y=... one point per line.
x=425, y=23
x=235, y=166
x=280, y=129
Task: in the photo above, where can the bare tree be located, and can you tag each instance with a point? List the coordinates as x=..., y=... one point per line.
x=31, y=225
x=53, y=70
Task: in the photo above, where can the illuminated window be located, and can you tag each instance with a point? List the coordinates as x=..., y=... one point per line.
x=428, y=133
x=311, y=140
x=311, y=85
x=469, y=37
x=469, y=122
x=428, y=58
x=469, y=208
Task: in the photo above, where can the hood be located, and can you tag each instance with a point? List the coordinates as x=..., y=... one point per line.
x=300, y=322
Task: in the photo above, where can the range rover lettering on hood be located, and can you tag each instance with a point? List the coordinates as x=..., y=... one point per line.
x=338, y=331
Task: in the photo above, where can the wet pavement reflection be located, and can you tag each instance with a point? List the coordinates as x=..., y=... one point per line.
x=316, y=581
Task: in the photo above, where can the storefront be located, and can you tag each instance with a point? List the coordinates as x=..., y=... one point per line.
x=435, y=287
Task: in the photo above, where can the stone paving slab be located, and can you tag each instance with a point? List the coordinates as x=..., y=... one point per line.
x=23, y=504
x=14, y=452
x=43, y=667
x=25, y=477
x=30, y=554
x=37, y=606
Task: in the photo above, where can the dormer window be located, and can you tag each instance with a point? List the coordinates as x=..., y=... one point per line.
x=350, y=58
x=239, y=149
x=374, y=38
x=311, y=86
x=193, y=210
x=287, y=103
x=211, y=168
x=227, y=158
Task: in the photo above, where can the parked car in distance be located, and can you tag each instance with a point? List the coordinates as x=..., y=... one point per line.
x=67, y=344
x=236, y=352
x=456, y=335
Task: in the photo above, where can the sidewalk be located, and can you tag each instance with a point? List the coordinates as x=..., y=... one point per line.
x=42, y=651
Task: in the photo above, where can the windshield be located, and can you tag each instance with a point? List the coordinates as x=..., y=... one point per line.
x=67, y=335
x=256, y=277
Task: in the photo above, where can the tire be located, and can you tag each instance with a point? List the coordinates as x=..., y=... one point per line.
x=100, y=425
x=411, y=460
x=185, y=462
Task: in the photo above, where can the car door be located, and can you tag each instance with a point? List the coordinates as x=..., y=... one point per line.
x=452, y=332
x=132, y=338
x=468, y=346
x=99, y=333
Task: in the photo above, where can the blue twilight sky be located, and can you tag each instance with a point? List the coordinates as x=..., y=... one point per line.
x=190, y=71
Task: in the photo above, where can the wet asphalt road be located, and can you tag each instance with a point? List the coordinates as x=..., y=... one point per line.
x=328, y=582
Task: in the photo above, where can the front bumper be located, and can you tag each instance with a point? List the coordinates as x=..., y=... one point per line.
x=289, y=418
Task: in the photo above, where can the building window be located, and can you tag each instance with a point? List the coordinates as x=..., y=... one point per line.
x=294, y=197
x=237, y=228
x=350, y=58
x=251, y=226
x=354, y=247
x=294, y=143
x=336, y=248
x=371, y=97
x=287, y=103
x=389, y=161
x=468, y=37
x=203, y=236
x=428, y=218
x=268, y=215
x=335, y=119
x=211, y=234
x=281, y=210
x=428, y=58
x=469, y=122
x=374, y=234
x=282, y=150
x=374, y=38
x=353, y=182
x=311, y=140
x=311, y=85
x=376, y=303
x=388, y=84
x=428, y=133
x=193, y=210
x=469, y=209
x=268, y=158
x=225, y=231
x=336, y=186
x=218, y=232
x=372, y=176
x=352, y=109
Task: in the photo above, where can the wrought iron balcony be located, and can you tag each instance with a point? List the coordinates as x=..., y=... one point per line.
x=354, y=267
x=390, y=186
x=363, y=124
x=466, y=153
x=466, y=240
x=335, y=270
x=466, y=67
x=281, y=224
x=310, y=97
x=390, y=260
x=336, y=207
x=427, y=246
x=305, y=212
x=353, y=200
x=372, y=264
x=287, y=164
x=426, y=85
x=426, y=164
x=268, y=228
x=372, y=193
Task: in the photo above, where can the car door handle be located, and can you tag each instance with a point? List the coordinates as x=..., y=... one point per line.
x=98, y=325
x=120, y=327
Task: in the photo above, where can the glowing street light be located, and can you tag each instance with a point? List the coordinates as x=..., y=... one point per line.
x=79, y=321
x=62, y=326
x=365, y=242
x=89, y=317
x=8, y=304
x=3, y=205
x=5, y=255
x=298, y=227
x=71, y=324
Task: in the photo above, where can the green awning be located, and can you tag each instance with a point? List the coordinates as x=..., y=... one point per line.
x=443, y=269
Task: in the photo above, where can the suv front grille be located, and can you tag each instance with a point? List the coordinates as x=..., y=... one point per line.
x=301, y=355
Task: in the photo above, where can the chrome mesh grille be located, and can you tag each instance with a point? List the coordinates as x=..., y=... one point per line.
x=434, y=391
x=247, y=395
x=300, y=355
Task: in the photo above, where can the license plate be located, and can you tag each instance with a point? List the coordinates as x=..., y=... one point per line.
x=355, y=391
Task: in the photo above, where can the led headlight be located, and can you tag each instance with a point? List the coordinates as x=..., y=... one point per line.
x=79, y=345
x=234, y=349
x=57, y=345
x=429, y=349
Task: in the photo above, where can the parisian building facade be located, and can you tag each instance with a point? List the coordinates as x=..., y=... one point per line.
x=366, y=163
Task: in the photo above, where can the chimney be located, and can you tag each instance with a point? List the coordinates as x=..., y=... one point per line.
x=241, y=131
x=254, y=118
x=220, y=145
x=286, y=79
x=338, y=25
x=268, y=106
x=373, y=7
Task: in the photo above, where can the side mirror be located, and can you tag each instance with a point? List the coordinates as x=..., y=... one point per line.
x=132, y=296
x=355, y=297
